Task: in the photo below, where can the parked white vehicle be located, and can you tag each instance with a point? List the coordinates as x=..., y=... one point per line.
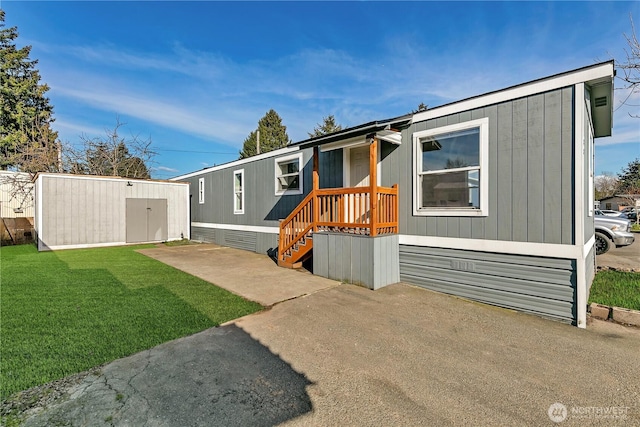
x=611, y=231
x=616, y=214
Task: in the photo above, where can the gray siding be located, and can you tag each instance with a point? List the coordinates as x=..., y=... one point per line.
x=543, y=286
x=590, y=265
x=530, y=173
x=262, y=206
x=202, y=234
x=247, y=240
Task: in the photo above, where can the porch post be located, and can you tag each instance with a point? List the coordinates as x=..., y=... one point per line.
x=373, y=185
x=315, y=187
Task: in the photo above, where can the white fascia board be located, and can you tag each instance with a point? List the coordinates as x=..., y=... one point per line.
x=236, y=227
x=106, y=178
x=239, y=162
x=590, y=74
x=345, y=143
x=392, y=137
x=549, y=250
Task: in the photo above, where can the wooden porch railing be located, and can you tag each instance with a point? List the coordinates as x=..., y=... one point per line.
x=345, y=210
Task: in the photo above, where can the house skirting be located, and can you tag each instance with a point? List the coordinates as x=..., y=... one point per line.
x=532, y=284
x=254, y=241
x=372, y=262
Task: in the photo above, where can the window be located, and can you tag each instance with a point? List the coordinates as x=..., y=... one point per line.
x=201, y=190
x=238, y=191
x=288, y=175
x=450, y=170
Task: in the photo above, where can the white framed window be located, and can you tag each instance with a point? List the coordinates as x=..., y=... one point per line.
x=201, y=190
x=288, y=175
x=238, y=191
x=451, y=170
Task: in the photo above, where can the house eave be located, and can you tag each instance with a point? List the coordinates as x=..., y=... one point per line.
x=355, y=132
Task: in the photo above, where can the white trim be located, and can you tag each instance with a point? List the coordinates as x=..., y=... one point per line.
x=100, y=245
x=239, y=162
x=108, y=178
x=254, y=228
x=550, y=250
x=201, y=190
x=38, y=219
x=569, y=79
x=391, y=136
x=345, y=143
x=88, y=245
x=580, y=149
x=483, y=124
x=581, y=293
x=243, y=186
x=276, y=163
x=588, y=246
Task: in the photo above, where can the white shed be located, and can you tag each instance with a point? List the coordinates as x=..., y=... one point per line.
x=83, y=211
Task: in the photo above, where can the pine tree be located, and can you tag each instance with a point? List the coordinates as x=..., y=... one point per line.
x=327, y=126
x=629, y=179
x=273, y=135
x=25, y=111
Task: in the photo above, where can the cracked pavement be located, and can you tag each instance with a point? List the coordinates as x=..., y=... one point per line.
x=349, y=356
x=217, y=377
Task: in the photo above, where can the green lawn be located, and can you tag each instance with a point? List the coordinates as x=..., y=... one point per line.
x=67, y=311
x=617, y=289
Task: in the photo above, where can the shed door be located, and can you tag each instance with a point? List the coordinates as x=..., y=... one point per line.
x=146, y=220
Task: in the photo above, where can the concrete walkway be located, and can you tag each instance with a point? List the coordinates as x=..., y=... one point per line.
x=344, y=355
x=253, y=276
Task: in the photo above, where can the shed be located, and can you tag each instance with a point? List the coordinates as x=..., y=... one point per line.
x=81, y=211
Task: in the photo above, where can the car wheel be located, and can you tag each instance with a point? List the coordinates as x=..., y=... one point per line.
x=602, y=243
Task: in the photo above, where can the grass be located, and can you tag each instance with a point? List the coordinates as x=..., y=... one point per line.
x=65, y=312
x=617, y=289
x=635, y=227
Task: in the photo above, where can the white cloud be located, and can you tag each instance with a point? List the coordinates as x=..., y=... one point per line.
x=224, y=99
x=166, y=169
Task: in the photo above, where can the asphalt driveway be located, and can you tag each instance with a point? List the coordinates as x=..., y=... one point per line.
x=345, y=355
x=624, y=258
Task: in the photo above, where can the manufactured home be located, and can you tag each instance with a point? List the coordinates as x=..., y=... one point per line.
x=84, y=211
x=16, y=195
x=489, y=198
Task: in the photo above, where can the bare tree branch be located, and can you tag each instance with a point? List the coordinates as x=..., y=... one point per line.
x=110, y=155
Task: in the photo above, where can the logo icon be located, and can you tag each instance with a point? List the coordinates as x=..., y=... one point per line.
x=557, y=412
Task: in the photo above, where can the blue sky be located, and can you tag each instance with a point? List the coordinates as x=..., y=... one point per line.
x=196, y=77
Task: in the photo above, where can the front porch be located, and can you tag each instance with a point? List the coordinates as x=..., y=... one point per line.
x=367, y=211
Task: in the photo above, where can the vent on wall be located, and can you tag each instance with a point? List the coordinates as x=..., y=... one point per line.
x=601, y=101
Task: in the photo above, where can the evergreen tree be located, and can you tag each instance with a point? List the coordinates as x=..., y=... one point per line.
x=629, y=179
x=327, y=126
x=25, y=111
x=273, y=135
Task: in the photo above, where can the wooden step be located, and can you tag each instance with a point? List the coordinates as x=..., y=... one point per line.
x=287, y=264
x=297, y=255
